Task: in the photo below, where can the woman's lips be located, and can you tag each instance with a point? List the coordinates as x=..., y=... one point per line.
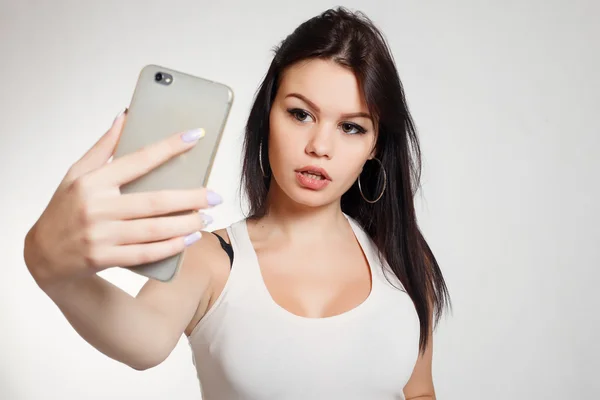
x=311, y=182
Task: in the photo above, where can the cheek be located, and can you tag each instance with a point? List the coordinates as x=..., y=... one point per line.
x=281, y=140
x=350, y=173
x=276, y=127
x=352, y=159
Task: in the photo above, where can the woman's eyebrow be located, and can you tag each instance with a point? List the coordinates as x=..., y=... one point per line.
x=317, y=109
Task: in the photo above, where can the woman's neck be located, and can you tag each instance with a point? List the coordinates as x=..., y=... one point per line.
x=299, y=222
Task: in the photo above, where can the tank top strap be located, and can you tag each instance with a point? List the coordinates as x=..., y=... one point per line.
x=245, y=263
x=380, y=269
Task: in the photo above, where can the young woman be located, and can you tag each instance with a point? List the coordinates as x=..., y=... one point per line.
x=326, y=290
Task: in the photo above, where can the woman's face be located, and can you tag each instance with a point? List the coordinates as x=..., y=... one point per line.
x=320, y=123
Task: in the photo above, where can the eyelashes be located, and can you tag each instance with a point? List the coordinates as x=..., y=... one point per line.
x=297, y=112
x=349, y=128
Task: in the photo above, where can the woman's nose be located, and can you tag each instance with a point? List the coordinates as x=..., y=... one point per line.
x=321, y=141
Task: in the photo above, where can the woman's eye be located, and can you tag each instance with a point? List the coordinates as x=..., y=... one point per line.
x=352, y=128
x=300, y=115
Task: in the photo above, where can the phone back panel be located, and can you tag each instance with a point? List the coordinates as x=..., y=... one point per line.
x=158, y=110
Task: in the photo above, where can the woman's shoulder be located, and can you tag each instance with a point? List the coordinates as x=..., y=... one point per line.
x=221, y=233
x=209, y=247
x=214, y=248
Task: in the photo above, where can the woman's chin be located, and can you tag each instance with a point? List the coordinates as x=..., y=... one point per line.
x=305, y=197
x=310, y=198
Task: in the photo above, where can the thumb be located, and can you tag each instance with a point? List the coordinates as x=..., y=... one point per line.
x=101, y=151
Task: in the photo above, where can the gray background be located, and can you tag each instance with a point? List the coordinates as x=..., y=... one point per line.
x=505, y=95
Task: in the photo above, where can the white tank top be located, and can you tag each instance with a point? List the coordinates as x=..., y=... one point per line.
x=248, y=347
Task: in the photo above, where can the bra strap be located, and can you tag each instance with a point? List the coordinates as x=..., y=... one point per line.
x=227, y=247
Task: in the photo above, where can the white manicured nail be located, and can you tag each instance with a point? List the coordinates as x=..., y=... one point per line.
x=192, y=238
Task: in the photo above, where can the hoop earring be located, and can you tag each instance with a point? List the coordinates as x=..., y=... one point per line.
x=260, y=160
x=384, y=184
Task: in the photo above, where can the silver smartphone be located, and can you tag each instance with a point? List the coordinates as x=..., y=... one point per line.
x=164, y=102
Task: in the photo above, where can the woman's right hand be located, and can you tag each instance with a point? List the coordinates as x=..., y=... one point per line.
x=89, y=225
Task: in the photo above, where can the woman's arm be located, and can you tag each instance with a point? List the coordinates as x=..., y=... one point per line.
x=138, y=331
x=88, y=226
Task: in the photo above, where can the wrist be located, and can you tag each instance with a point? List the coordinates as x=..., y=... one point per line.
x=36, y=260
x=32, y=256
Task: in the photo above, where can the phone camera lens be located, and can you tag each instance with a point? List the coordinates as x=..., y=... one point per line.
x=158, y=77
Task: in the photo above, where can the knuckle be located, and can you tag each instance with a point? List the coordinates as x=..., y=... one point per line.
x=143, y=160
x=153, y=229
x=71, y=174
x=85, y=214
x=156, y=202
x=146, y=156
x=175, y=246
x=80, y=186
x=92, y=258
x=87, y=238
x=90, y=236
x=143, y=257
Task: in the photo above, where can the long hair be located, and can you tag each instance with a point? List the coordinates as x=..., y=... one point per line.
x=351, y=40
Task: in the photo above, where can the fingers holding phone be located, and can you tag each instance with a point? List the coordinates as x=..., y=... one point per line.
x=166, y=149
x=157, y=203
x=134, y=165
x=140, y=209
x=89, y=225
x=100, y=153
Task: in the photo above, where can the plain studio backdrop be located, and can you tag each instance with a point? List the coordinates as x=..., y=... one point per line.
x=505, y=96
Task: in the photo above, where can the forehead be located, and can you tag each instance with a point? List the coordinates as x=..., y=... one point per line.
x=332, y=87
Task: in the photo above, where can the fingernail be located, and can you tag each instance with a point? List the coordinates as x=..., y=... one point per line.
x=123, y=111
x=192, y=135
x=206, y=219
x=213, y=198
x=192, y=238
